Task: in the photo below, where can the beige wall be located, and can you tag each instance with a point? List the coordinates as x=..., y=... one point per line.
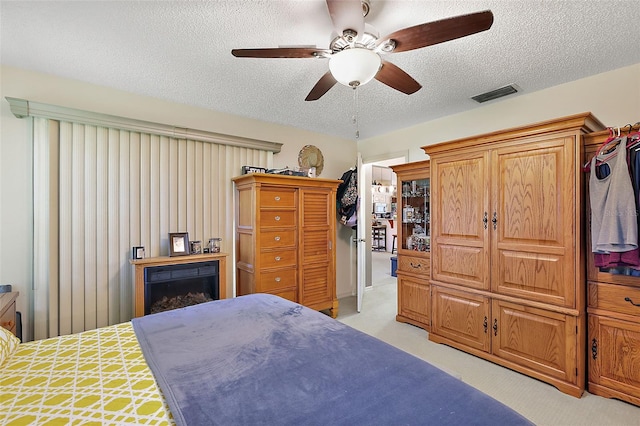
x=613, y=97
x=16, y=208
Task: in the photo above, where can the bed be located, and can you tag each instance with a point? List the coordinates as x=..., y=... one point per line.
x=252, y=360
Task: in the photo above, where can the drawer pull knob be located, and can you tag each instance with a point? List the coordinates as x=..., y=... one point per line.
x=277, y=279
x=415, y=265
x=277, y=198
x=277, y=238
x=278, y=258
x=628, y=299
x=277, y=218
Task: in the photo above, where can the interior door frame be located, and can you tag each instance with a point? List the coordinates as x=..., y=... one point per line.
x=364, y=277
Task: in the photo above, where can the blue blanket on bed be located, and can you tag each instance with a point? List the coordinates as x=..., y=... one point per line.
x=262, y=360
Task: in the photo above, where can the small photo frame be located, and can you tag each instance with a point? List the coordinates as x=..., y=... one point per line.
x=196, y=247
x=137, y=252
x=178, y=244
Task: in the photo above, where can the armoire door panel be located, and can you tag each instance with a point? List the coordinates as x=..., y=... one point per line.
x=460, y=220
x=531, y=275
x=539, y=339
x=530, y=188
x=460, y=189
x=533, y=201
x=462, y=265
x=462, y=317
x=413, y=299
x=617, y=354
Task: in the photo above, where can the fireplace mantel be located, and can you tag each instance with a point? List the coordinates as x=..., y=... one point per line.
x=141, y=264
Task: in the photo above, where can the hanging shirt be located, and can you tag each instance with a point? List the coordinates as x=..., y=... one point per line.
x=614, y=227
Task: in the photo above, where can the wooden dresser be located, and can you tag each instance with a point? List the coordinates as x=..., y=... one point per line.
x=507, y=268
x=613, y=308
x=285, y=238
x=8, y=310
x=414, y=257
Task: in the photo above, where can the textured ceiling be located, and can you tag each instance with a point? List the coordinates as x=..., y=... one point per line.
x=180, y=51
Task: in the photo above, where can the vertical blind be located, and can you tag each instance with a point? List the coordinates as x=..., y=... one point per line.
x=98, y=192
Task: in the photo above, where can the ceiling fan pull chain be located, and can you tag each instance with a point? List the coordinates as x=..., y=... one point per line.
x=355, y=113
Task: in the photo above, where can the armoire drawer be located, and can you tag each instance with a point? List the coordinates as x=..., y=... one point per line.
x=274, y=239
x=278, y=280
x=615, y=298
x=277, y=197
x=277, y=218
x=278, y=258
x=414, y=265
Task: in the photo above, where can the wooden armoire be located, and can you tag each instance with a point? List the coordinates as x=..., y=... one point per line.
x=507, y=264
x=285, y=238
x=613, y=306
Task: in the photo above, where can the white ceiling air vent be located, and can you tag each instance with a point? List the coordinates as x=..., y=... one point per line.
x=495, y=94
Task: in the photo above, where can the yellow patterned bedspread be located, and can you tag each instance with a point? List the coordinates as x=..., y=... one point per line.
x=96, y=377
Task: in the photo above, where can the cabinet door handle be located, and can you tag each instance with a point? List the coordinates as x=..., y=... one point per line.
x=277, y=238
x=415, y=266
x=594, y=349
x=277, y=218
x=495, y=221
x=628, y=299
x=485, y=220
x=495, y=326
x=485, y=324
x=277, y=198
x=278, y=258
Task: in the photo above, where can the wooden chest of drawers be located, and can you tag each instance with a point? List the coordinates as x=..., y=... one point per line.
x=285, y=238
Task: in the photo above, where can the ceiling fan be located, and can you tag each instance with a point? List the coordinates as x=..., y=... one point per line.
x=356, y=53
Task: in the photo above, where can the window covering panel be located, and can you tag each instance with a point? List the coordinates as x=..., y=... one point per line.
x=98, y=192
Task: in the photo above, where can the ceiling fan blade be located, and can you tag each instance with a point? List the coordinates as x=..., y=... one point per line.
x=346, y=15
x=394, y=77
x=431, y=33
x=281, y=52
x=323, y=85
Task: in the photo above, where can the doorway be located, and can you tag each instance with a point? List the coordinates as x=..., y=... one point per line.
x=377, y=256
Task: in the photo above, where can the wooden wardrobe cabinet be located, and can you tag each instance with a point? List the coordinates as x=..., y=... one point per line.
x=507, y=278
x=285, y=238
x=613, y=345
x=414, y=257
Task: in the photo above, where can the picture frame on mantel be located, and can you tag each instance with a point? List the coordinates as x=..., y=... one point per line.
x=179, y=244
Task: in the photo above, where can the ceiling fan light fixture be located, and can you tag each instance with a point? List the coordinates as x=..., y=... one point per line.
x=354, y=67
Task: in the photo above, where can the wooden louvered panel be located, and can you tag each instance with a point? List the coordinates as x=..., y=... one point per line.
x=316, y=284
x=315, y=209
x=315, y=246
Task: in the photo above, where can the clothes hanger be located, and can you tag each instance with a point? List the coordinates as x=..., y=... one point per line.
x=612, y=138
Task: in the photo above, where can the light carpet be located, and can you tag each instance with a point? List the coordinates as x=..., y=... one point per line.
x=539, y=402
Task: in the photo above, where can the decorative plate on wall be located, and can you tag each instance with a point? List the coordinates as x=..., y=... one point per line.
x=310, y=156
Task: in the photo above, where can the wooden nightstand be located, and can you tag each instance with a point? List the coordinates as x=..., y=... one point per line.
x=8, y=311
